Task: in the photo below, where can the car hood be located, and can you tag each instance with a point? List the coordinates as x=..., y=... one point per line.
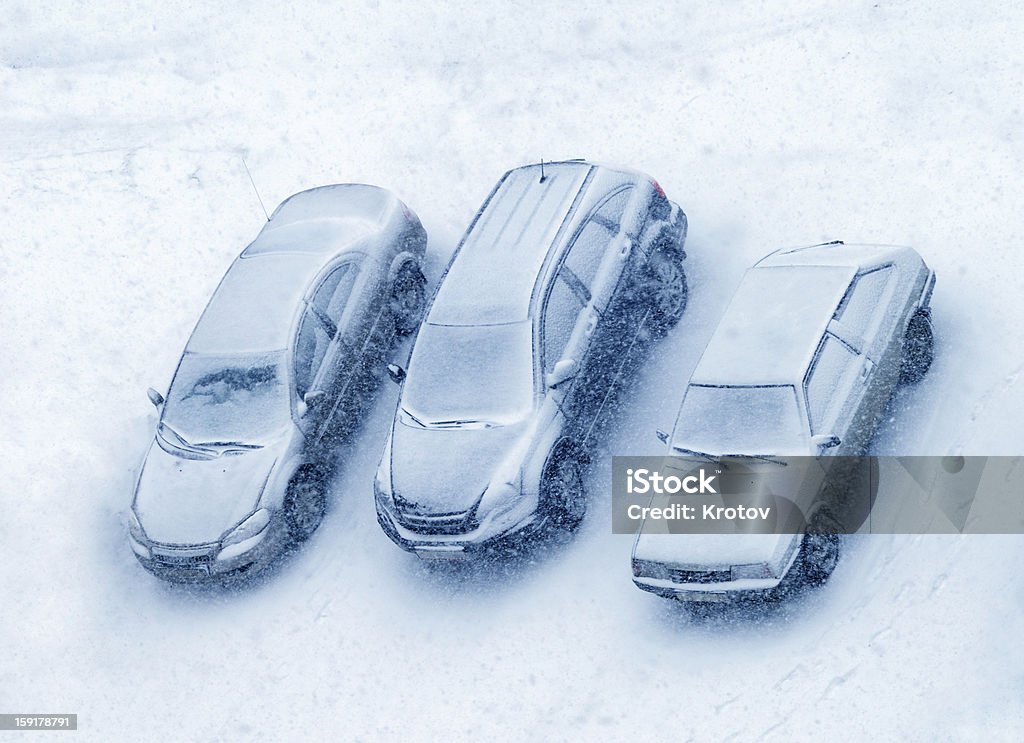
x=446, y=470
x=194, y=501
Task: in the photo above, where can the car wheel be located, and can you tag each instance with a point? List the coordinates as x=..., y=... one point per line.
x=819, y=555
x=408, y=298
x=306, y=503
x=564, y=496
x=666, y=290
x=918, y=349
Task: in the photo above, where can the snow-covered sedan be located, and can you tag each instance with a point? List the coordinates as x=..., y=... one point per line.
x=286, y=353
x=803, y=362
x=559, y=272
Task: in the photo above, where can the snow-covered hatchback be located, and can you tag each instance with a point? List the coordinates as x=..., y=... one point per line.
x=525, y=337
x=803, y=362
x=276, y=372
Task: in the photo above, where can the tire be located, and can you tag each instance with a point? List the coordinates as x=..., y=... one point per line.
x=408, y=299
x=305, y=503
x=563, y=496
x=665, y=290
x=918, y=349
x=819, y=555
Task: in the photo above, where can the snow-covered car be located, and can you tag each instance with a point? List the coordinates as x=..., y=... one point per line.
x=284, y=357
x=555, y=280
x=803, y=363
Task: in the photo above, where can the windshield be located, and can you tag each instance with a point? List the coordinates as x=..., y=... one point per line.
x=462, y=375
x=762, y=420
x=221, y=400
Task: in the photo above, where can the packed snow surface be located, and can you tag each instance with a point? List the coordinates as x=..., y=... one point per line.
x=123, y=199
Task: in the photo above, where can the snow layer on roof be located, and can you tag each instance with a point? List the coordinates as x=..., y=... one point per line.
x=772, y=325
x=253, y=307
x=338, y=201
x=492, y=278
x=853, y=255
x=317, y=236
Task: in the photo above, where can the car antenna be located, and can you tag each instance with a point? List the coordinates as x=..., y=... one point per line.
x=255, y=189
x=542, y=170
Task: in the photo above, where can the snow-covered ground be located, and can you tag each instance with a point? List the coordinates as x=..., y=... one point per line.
x=123, y=199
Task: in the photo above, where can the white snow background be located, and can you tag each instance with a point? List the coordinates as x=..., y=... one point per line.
x=123, y=199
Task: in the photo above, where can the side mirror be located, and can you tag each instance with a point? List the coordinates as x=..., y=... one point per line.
x=662, y=436
x=564, y=370
x=825, y=441
x=396, y=373
x=155, y=397
x=308, y=402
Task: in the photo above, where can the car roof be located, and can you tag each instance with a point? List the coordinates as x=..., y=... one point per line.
x=771, y=329
x=327, y=219
x=339, y=200
x=772, y=325
x=526, y=219
x=253, y=307
x=838, y=253
x=256, y=301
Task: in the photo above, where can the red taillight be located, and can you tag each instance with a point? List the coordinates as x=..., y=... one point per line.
x=658, y=188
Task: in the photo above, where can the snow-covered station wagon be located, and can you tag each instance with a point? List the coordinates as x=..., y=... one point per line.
x=562, y=268
x=803, y=362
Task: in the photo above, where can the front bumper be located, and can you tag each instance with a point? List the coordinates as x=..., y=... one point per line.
x=179, y=563
x=725, y=591
x=462, y=546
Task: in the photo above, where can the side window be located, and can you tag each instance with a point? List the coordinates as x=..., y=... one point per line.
x=560, y=314
x=592, y=242
x=333, y=294
x=863, y=300
x=833, y=364
x=310, y=349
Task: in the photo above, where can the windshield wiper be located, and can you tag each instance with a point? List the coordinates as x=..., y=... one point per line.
x=701, y=454
x=763, y=457
x=415, y=420
x=229, y=445
x=180, y=441
x=460, y=423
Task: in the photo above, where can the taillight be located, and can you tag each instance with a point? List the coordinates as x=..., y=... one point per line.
x=658, y=188
x=636, y=567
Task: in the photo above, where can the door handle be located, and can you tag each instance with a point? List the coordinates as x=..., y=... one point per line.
x=865, y=371
x=591, y=324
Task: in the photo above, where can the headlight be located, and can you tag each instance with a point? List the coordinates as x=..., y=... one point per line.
x=135, y=526
x=757, y=570
x=382, y=480
x=249, y=528
x=137, y=537
x=500, y=497
x=650, y=569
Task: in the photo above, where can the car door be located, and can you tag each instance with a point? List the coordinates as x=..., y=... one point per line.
x=833, y=391
x=590, y=247
x=859, y=321
x=594, y=272
x=366, y=331
x=561, y=318
x=321, y=355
